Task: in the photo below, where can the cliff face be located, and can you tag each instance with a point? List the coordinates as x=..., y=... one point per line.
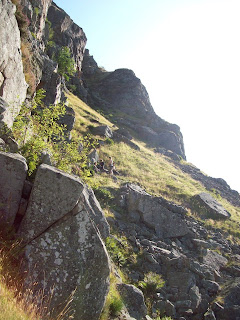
x=13, y=87
x=123, y=95
x=120, y=92
x=67, y=34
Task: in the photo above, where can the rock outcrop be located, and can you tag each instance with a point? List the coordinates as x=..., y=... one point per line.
x=13, y=87
x=62, y=228
x=208, y=207
x=122, y=94
x=13, y=172
x=193, y=261
x=67, y=34
x=156, y=214
x=59, y=230
x=36, y=11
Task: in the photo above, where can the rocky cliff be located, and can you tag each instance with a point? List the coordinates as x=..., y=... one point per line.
x=122, y=94
x=60, y=221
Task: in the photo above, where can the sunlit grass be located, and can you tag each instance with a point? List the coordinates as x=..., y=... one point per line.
x=16, y=303
x=152, y=171
x=84, y=115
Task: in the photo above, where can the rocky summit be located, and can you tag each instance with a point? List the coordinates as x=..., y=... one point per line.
x=109, y=219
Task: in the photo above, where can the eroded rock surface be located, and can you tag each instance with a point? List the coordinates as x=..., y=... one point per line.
x=74, y=263
x=13, y=87
x=13, y=172
x=153, y=212
x=61, y=230
x=205, y=204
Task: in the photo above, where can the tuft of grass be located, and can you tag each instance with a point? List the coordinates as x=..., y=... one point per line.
x=16, y=303
x=114, y=303
x=85, y=115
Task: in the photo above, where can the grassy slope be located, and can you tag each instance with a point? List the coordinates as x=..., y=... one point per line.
x=154, y=172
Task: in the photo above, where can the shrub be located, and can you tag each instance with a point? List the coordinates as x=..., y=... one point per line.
x=115, y=305
x=109, y=141
x=116, y=251
x=36, y=129
x=151, y=283
x=66, y=64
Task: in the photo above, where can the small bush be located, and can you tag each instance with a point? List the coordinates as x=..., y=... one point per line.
x=114, y=303
x=36, y=129
x=104, y=196
x=66, y=64
x=109, y=141
x=151, y=283
x=115, y=306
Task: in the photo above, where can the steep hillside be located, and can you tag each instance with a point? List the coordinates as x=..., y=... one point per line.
x=138, y=246
x=149, y=236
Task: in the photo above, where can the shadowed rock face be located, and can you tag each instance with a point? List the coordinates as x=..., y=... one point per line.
x=121, y=93
x=166, y=221
x=13, y=172
x=209, y=207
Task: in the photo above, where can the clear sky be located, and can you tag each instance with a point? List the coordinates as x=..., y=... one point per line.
x=187, y=54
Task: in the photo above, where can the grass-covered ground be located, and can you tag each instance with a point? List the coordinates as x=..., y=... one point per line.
x=156, y=173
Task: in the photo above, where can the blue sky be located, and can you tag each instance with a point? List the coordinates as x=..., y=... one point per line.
x=187, y=54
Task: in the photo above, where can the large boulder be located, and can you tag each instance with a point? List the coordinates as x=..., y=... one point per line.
x=134, y=300
x=59, y=230
x=104, y=131
x=13, y=87
x=13, y=172
x=74, y=265
x=208, y=207
x=54, y=194
x=154, y=212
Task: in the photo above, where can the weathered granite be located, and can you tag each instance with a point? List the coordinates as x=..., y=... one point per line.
x=13, y=87
x=13, y=172
x=208, y=207
x=54, y=194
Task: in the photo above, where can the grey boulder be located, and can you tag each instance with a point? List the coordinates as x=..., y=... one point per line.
x=13, y=172
x=208, y=207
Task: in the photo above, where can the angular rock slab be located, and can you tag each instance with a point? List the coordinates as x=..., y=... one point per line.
x=210, y=207
x=95, y=212
x=13, y=172
x=134, y=300
x=70, y=259
x=167, y=224
x=54, y=194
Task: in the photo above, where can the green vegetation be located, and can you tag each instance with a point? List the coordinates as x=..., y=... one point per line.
x=118, y=250
x=66, y=64
x=36, y=129
x=154, y=172
x=114, y=303
x=50, y=42
x=149, y=285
